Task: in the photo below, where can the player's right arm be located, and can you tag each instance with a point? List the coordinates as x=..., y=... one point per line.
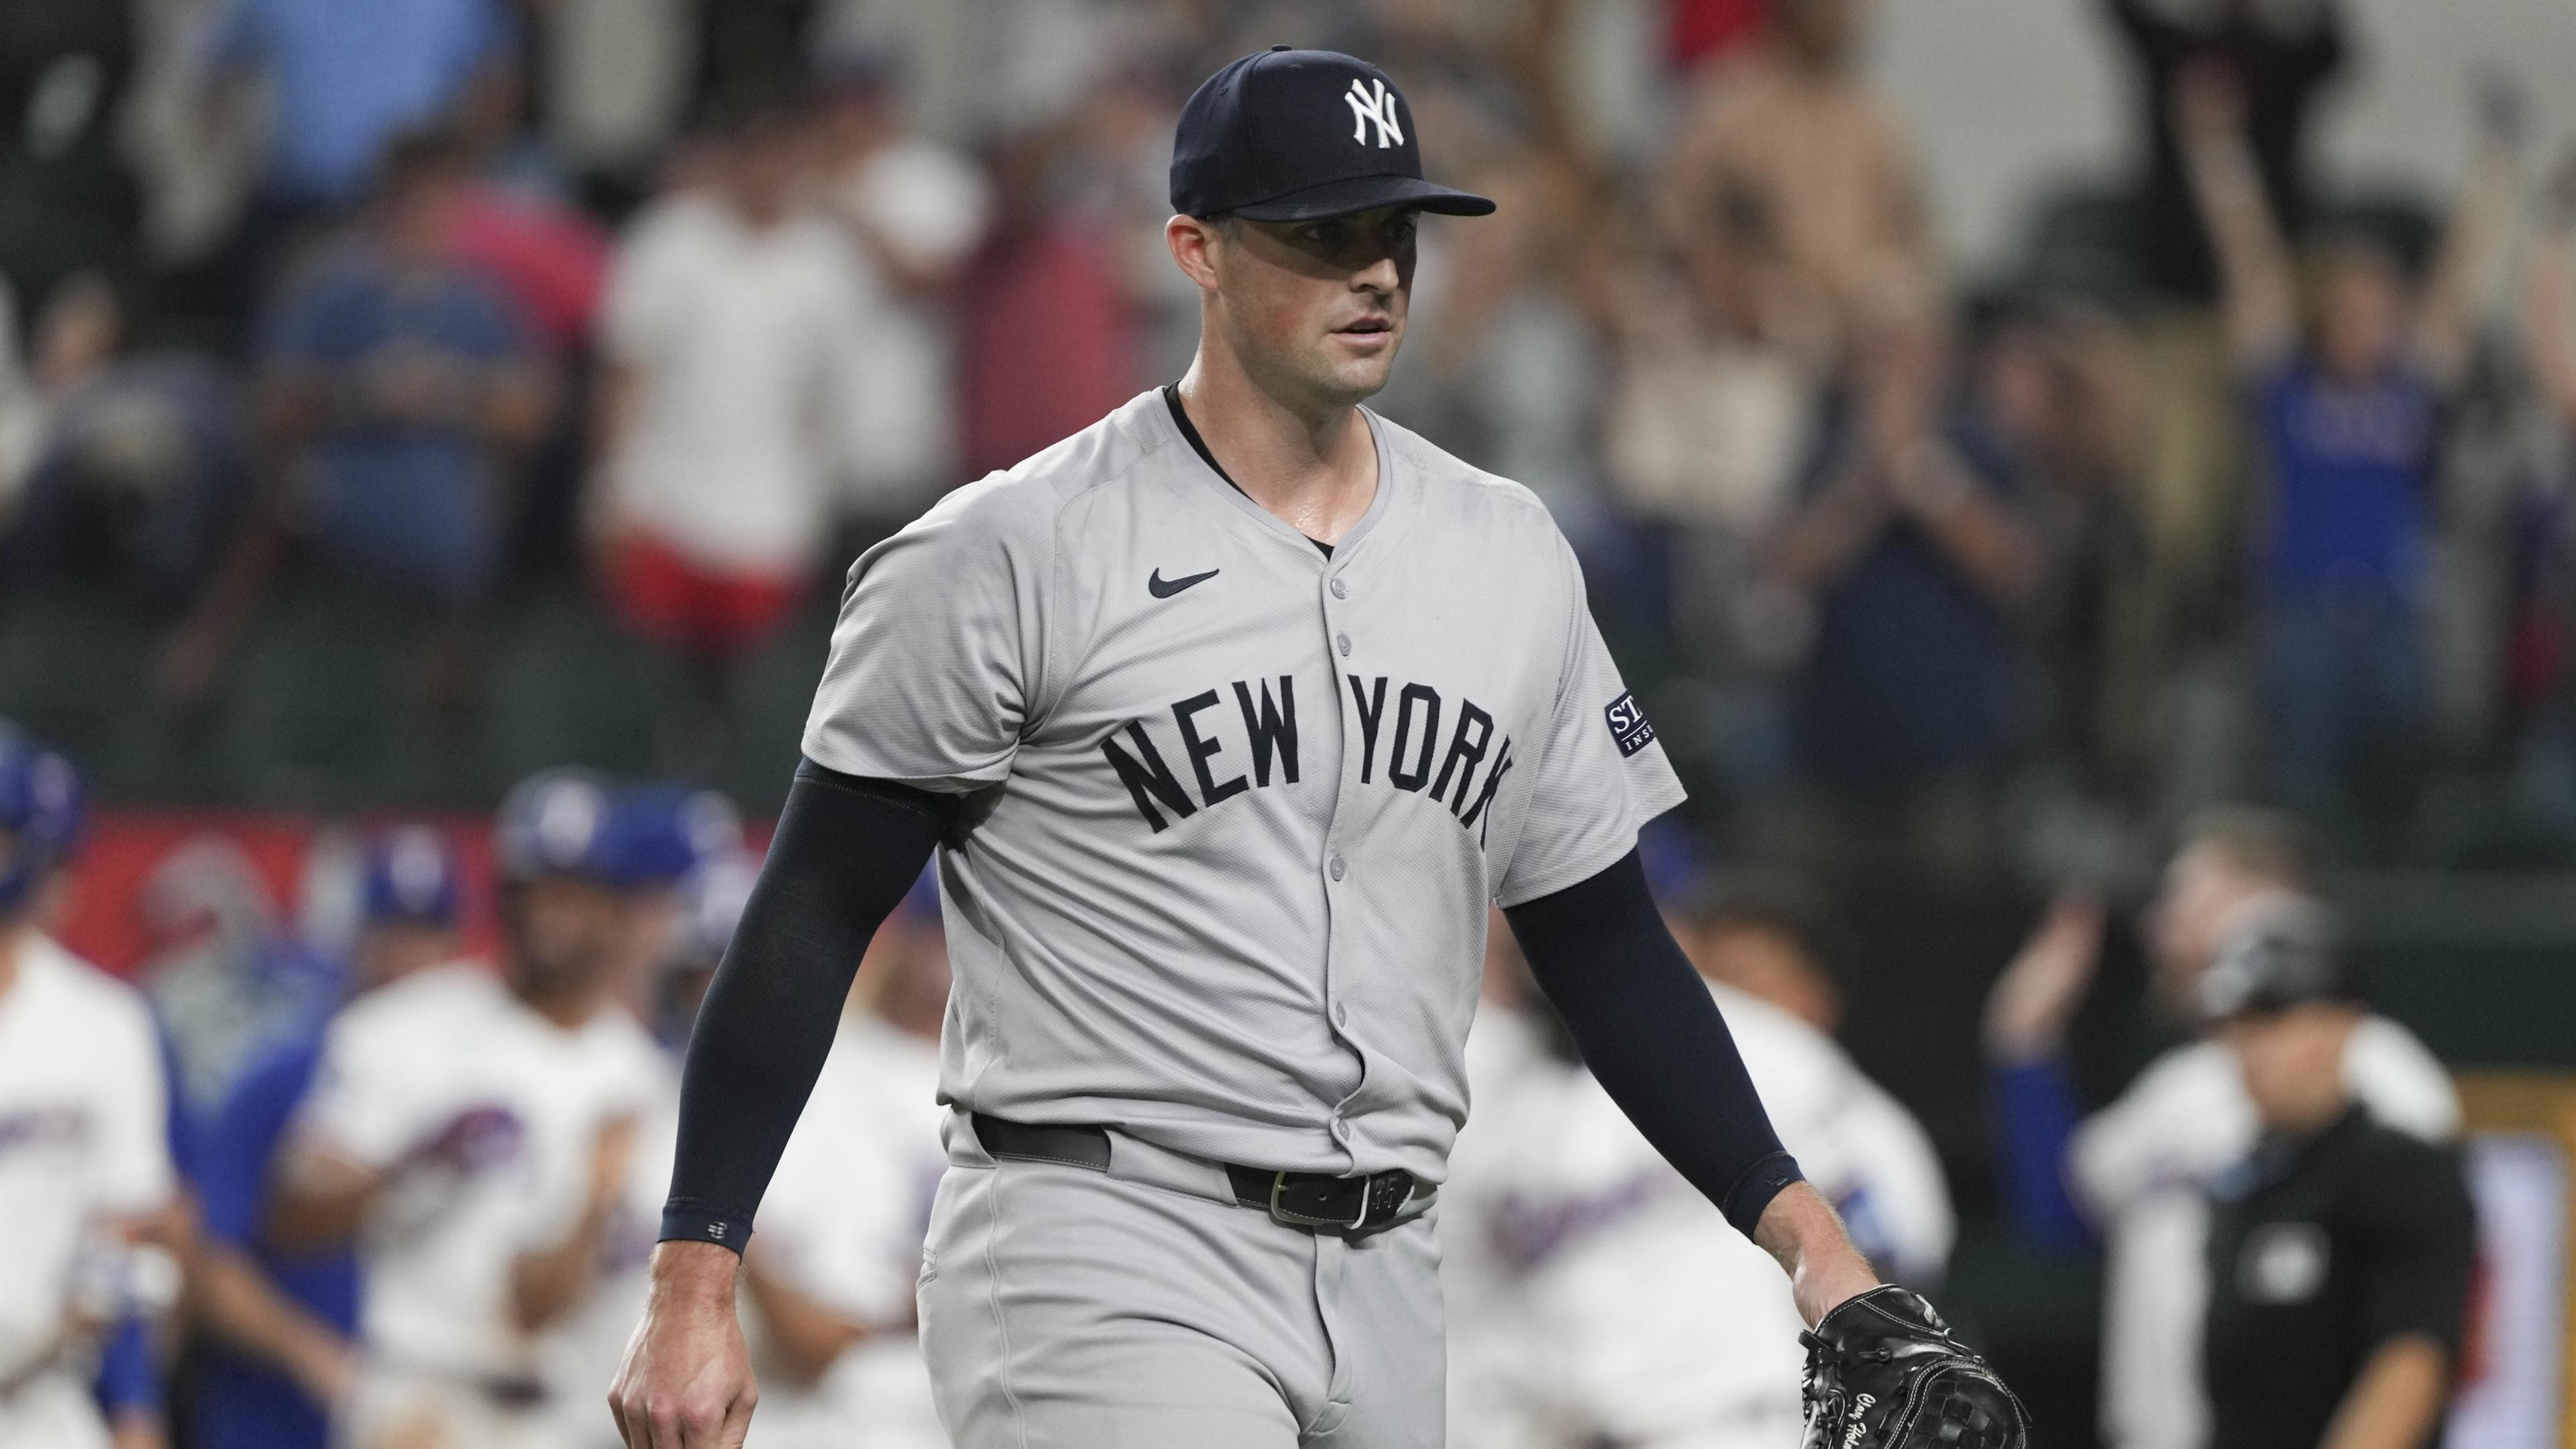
x=937, y=666
x=847, y=849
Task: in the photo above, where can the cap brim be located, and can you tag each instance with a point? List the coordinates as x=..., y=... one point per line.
x=1366, y=193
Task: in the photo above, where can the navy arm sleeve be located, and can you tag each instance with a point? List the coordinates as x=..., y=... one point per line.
x=1652, y=1036
x=845, y=852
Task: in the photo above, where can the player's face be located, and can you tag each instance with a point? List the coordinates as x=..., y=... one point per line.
x=2292, y=1062
x=388, y=953
x=1317, y=308
x=568, y=935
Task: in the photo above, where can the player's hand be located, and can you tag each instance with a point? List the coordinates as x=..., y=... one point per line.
x=686, y=1382
x=2031, y=1003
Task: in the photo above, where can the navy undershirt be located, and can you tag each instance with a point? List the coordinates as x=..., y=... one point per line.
x=1181, y=418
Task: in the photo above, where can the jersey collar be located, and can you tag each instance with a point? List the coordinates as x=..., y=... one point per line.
x=1157, y=414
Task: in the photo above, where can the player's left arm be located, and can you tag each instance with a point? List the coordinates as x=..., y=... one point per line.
x=1651, y=1034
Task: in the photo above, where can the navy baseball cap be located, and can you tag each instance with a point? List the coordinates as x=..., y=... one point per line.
x=1296, y=135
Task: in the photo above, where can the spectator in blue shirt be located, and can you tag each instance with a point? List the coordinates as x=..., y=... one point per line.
x=280, y=1325
x=346, y=80
x=1915, y=552
x=397, y=394
x=2347, y=412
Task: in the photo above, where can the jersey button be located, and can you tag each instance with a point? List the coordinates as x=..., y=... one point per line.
x=1339, y=591
x=1341, y=1013
x=1343, y=643
x=1337, y=867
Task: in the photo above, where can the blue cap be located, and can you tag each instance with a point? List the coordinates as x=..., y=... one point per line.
x=40, y=813
x=661, y=832
x=410, y=878
x=1295, y=135
x=557, y=822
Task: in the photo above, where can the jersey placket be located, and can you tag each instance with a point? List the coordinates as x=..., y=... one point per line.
x=1346, y=641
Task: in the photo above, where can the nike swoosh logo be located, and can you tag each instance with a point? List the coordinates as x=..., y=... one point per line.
x=1159, y=588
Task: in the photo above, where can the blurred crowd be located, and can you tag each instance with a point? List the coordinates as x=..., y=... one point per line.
x=2219, y=487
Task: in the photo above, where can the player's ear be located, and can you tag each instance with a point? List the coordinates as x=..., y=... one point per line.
x=1194, y=242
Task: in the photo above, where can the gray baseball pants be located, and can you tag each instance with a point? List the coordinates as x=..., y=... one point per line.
x=1064, y=1307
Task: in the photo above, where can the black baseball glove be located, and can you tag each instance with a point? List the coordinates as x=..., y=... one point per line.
x=1883, y=1372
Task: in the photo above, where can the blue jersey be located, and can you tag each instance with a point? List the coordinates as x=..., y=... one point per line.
x=241, y=1403
x=2351, y=470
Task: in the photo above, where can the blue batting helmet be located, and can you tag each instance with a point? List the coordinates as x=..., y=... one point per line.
x=661, y=833
x=411, y=878
x=557, y=822
x=40, y=813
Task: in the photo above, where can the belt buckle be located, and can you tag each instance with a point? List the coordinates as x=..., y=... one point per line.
x=1282, y=1213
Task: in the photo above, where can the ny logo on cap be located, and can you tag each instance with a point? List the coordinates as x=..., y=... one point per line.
x=1378, y=107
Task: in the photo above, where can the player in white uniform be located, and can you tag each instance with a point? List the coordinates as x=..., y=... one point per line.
x=1771, y=937
x=472, y=1130
x=2139, y=1169
x=85, y=1178
x=1515, y=1074
x=676, y=854
x=1654, y=1329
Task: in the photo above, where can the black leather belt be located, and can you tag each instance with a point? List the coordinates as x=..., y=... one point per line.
x=1299, y=1199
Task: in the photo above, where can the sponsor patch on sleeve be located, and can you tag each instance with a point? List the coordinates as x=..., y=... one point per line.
x=1629, y=725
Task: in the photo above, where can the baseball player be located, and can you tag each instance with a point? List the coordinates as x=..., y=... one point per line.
x=1769, y=938
x=470, y=1130
x=676, y=853
x=1654, y=1327
x=85, y=1177
x=1228, y=717
x=283, y=1326
x=1516, y=1076
x=2139, y=1170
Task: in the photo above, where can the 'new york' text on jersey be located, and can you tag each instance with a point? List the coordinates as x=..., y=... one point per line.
x=1229, y=840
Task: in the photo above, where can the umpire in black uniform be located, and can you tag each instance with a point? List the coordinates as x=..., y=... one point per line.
x=2340, y=1252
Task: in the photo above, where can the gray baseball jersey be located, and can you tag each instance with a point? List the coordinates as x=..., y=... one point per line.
x=1235, y=808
